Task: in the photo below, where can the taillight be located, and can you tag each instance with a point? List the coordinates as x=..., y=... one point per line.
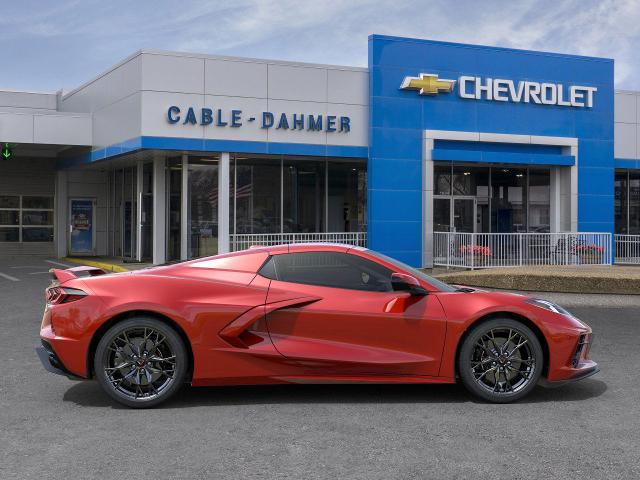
x=58, y=295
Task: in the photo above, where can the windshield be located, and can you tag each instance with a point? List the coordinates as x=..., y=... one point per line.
x=434, y=282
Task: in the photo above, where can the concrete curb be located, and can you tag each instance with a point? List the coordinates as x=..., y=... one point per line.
x=544, y=280
x=92, y=263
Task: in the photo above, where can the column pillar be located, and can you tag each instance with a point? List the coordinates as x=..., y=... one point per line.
x=62, y=214
x=223, y=202
x=159, y=211
x=427, y=203
x=555, y=200
x=139, y=185
x=574, y=189
x=184, y=210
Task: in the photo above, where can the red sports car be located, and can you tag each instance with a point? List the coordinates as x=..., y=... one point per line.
x=313, y=313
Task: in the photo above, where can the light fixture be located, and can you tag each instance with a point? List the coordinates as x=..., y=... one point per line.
x=466, y=173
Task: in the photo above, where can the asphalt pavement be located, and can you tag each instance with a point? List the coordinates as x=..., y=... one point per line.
x=51, y=427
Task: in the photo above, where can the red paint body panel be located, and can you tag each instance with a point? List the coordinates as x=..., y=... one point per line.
x=243, y=328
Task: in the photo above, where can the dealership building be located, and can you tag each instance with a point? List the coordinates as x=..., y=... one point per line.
x=169, y=156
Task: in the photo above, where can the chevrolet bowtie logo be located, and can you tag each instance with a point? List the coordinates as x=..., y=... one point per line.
x=427, y=84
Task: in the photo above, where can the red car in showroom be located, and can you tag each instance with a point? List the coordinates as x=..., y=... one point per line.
x=312, y=313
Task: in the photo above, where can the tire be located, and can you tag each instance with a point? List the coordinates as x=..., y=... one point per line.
x=487, y=370
x=141, y=362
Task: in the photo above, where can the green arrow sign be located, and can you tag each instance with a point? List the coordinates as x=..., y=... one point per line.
x=6, y=152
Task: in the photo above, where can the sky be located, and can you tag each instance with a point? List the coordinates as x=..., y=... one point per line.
x=48, y=45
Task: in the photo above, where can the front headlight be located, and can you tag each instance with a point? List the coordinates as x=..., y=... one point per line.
x=553, y=307
x=547, y=305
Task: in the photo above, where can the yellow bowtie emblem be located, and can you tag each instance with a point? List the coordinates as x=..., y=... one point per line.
x=427, y=84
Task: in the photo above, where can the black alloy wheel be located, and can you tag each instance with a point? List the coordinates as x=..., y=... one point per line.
x=141, y=362
x=500, y=360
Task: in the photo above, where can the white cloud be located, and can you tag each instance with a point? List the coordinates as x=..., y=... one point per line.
x=328, y=31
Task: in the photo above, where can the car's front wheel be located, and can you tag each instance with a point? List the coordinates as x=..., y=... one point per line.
x=141, y=362
x=500, y=360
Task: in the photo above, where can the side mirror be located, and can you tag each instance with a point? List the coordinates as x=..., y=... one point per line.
x=401, y=282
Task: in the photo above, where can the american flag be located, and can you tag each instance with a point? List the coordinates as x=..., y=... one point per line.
x=243, y=191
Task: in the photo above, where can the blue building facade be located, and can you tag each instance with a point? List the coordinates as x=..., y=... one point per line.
x=497, y=107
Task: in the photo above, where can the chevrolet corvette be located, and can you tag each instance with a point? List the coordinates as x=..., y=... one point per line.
x=308, y=313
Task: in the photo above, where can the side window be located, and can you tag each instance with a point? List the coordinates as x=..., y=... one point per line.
x=329, y=269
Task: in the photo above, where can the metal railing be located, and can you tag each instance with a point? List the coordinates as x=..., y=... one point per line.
x=244, y=241
x=489, y=250
x=627, y=248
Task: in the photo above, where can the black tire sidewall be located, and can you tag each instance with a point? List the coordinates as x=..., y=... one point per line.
x=465, y=354
x=176, y=344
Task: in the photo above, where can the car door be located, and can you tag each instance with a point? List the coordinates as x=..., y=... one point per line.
x=349, y=320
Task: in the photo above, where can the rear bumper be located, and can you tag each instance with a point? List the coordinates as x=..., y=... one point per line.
x=51, y=362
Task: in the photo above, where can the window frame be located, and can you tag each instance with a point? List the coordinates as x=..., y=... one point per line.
x=21, y=226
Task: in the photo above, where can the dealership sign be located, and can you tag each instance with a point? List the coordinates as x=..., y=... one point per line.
x=504, y=90
x=236, y=119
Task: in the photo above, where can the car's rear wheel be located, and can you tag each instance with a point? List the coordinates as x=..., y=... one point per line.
x=141, y=362
x=500, y=360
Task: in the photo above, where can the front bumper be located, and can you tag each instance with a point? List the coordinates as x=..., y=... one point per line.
x=52, y=363
x=583, y=373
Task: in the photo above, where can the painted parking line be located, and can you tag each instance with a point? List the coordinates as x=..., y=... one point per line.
x=9, y=277
x=37, y=273
x=58, y=264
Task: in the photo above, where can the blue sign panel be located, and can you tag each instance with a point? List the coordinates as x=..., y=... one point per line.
x=418, y=85
x=81, y=241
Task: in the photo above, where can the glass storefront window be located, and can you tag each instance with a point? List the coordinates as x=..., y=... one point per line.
x=473, y=181
x=9, y=217
x=37, y=202
x=539, y=201
x=634, y=203
x=442, y=179
x=473, y=198
x=627, y=202
x=9, y=201
x=508, y=200
x=26, y=218
x=32, y=234
x=621, y=202
x=346, y=197
x=441, y=214
x=9, y=234
x=303, y=189
x=256, y=196
x=37, y=217
x=274, y=194
x=203, y=207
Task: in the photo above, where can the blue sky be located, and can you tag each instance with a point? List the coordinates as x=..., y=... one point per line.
x=47, y=45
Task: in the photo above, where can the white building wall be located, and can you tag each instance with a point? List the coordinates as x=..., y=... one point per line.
x=627, y=125
x=132, y=98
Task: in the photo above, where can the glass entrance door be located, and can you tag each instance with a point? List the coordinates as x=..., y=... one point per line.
x=464, y=217
x=82, y=226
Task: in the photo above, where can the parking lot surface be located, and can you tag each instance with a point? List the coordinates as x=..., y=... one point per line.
x=54, y=428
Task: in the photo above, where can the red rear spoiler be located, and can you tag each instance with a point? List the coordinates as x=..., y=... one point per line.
x=62, y=276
